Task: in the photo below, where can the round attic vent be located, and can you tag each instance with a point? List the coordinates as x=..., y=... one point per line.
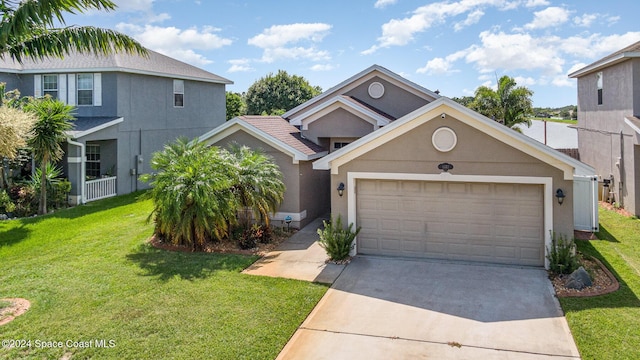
x=444, y=139
x=376, y=90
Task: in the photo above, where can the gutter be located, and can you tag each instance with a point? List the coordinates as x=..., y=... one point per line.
x=82, y=167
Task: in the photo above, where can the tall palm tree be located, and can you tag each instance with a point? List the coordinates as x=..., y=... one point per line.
x=257, y=183
x=27, y=30
x=49, y=132
x=192, y=201
x=509, y=104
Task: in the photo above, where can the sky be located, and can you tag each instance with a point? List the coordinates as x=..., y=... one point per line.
x=452, y=46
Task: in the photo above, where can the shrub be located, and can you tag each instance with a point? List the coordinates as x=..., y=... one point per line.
x=25, y=199
x=336, y=240
x=562, y=255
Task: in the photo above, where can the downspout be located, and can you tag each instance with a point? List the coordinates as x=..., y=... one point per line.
x=82, y=167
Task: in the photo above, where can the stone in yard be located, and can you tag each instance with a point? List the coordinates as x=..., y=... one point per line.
x=578, y=279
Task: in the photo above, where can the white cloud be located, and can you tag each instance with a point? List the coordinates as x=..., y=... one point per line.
x=438, y=66
x=585, y=20
x=534, y=3
x=525, y=81
x=240, y=65
x=473, y=18
x=549, y=17
x=384, y=3
x=177, y=43
x=281, y=42
x=141, y=6
x=322, y=67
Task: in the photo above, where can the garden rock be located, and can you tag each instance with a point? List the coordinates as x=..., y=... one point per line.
x=578, y=279
x=4, y=217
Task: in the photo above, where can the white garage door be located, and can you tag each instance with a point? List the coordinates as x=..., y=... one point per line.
x=499, y=223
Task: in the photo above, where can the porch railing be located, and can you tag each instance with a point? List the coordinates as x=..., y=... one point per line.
x=100, y=188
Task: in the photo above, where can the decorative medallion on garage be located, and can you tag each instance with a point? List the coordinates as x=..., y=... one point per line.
x=444, y=139
x=376, y=90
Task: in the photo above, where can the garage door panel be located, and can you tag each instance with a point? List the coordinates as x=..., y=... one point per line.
x=467, y=221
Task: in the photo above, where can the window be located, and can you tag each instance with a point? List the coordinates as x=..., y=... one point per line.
x=92, y=162
x=340, y=145
x=599, y=85
x=85, y=89
x=50, y=85
x=178, y=93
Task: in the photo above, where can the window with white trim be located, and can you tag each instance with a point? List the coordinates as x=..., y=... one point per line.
x=50, y=85
x=178, y=93
x=92, y=161
x=599, y=86
x=85, y=89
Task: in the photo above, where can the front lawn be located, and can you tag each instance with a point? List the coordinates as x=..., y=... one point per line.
x=92, y=280
x=607, y=326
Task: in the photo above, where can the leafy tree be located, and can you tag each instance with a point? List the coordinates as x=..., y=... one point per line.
x=235, y=105
x=27, y=30
x=277, y=94
x=464, y=101
x=49, y=132
x=256, y=183
x=191, y=194
x=509, y=104
x=15, y=125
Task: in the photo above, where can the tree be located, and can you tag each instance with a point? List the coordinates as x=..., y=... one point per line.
x=27, y=30
x=235, y=105
x=47, y=135
x=256, y=183
x=509, y=104
x=464, y=101
x=15, y=125
x=277, y=94
x=192, y=200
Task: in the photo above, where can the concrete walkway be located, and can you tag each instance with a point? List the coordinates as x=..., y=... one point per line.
x=300, y=257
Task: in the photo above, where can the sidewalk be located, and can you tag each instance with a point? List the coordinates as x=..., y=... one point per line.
x=299, y=257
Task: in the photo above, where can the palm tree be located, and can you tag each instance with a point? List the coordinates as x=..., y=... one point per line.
x=27, y=30
x=192, y=201
x=49, y=132
x=257, y=183
x=509, y=104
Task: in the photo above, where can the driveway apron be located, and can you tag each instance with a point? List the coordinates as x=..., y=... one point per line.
x=396, y=308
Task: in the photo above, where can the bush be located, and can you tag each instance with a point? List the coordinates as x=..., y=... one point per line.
x=562, y=255
x=255, y=234
x=25, y=199
x=336, y=240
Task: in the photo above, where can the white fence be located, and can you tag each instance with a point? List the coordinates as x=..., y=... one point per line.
x=100, y=188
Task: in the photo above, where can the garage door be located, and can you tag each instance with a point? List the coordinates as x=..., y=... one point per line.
x=499, y=223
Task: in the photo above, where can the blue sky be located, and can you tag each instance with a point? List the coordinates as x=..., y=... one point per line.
x=453, y=46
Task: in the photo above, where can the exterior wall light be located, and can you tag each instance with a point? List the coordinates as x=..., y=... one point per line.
x=560, y=196
x=341, y=189
x=288, y=221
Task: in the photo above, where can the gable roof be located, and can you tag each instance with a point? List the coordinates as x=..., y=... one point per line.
x=361, y=77
x=83, y=126
x=444, y=105
x=631, y=51
x=272, y=130
x=155, y=64
x=348, y=103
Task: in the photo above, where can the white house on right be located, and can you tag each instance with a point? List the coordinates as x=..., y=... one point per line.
x=609, y=124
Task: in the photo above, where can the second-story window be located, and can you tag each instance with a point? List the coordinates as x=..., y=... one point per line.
x=85, y=89
x=50, y=85
x=599, y=86
x=178, y=93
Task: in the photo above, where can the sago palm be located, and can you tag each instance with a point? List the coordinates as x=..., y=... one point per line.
x=54, y=119
x=28, y=30
x=257, y=183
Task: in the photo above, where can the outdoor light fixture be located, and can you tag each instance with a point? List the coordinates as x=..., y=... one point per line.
x=560, y=195
x=341, y=189
x=288, y=221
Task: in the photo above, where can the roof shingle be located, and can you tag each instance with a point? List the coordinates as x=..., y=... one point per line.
x=281, y=130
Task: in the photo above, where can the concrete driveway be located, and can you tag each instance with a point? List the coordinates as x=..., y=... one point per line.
x=391, y=308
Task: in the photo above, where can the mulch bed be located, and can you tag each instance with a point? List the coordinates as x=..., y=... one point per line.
x=603, y=280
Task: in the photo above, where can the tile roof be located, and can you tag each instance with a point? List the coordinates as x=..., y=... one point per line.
x=280, y=129
x=155, y=64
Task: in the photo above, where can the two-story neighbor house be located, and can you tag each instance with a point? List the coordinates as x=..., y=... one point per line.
x=422, y=175
x=609, y=123
x=127, y=107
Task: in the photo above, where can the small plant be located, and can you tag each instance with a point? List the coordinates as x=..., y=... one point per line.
x=562, y=255
x=336, y=240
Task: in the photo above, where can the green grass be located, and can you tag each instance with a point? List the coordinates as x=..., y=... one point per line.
x=606, y=326
x=90, y=276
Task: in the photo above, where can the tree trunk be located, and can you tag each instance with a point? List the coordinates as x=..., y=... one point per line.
x=42, y=208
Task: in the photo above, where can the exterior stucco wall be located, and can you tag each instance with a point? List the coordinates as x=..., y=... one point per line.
x=314, y=191
x=475, y=154
x=396, y=102
x=338, y=123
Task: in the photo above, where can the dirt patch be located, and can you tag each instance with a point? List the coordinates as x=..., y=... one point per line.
x=17, y=307
x=603, y=280
x=227, y=246
x=619, y=210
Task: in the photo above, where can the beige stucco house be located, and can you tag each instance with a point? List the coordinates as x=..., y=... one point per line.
x=609, y=124
x=421, y=175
